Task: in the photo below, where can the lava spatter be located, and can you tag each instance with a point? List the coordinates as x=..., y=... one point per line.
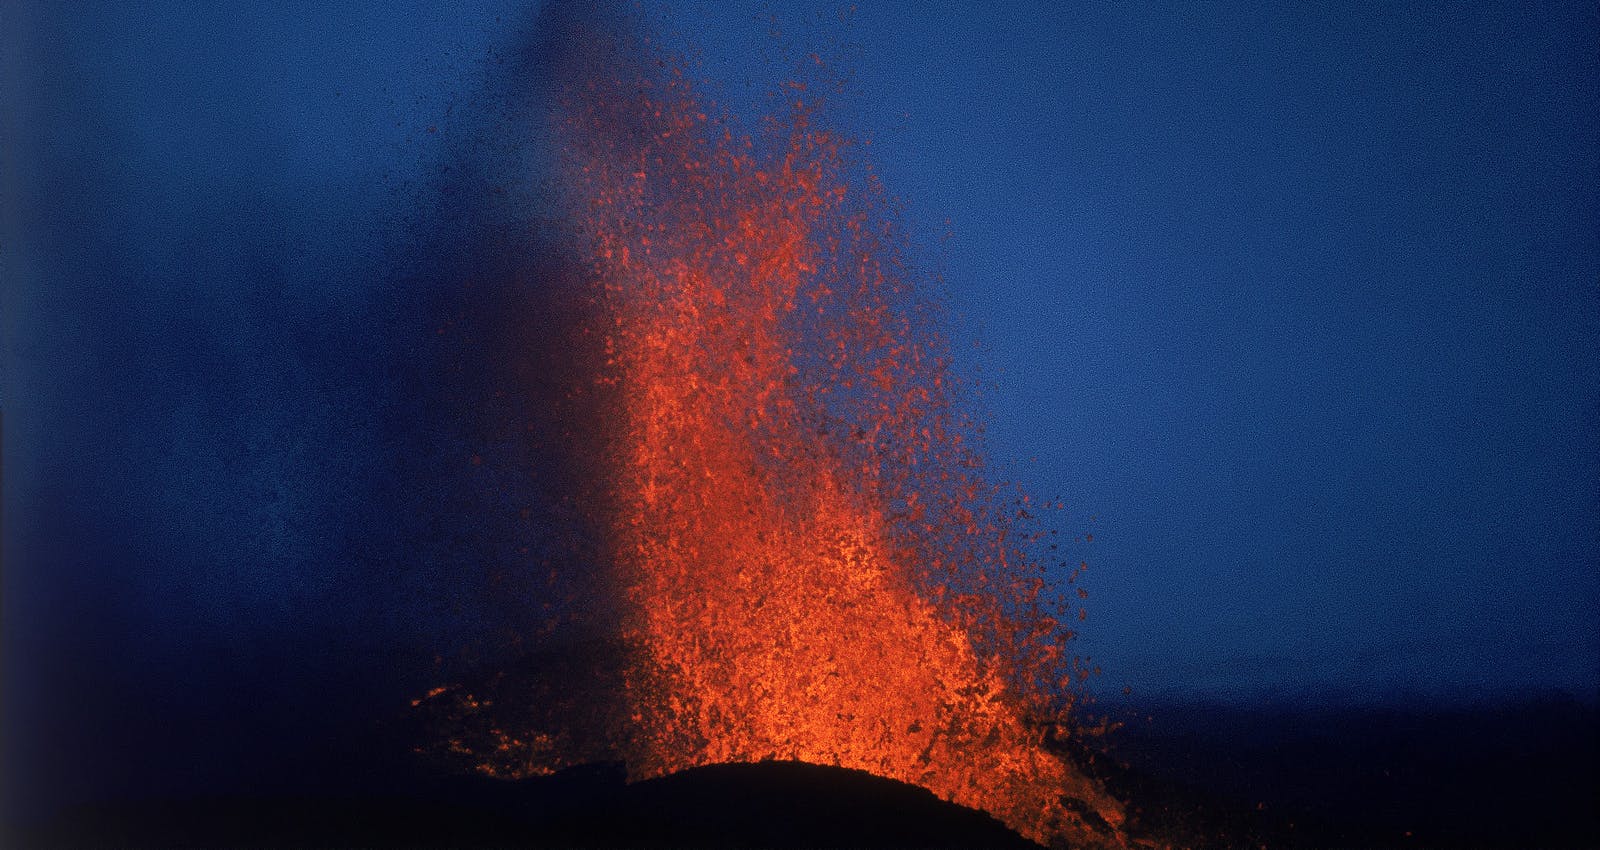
x=811, y=562
x=814, y=566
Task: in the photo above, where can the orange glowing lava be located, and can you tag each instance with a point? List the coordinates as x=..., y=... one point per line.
x=812, y=563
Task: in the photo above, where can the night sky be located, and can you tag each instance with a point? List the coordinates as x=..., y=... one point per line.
x=1295, y=308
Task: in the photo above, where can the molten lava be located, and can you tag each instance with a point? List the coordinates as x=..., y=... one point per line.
x=811, y=562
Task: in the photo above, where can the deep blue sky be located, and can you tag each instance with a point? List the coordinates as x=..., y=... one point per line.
x=1300, y=302
x=1299, y=305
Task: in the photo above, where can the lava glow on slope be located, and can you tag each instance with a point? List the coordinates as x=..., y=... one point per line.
x=810, y=562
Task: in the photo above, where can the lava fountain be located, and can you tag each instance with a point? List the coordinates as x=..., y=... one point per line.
x=810, y=562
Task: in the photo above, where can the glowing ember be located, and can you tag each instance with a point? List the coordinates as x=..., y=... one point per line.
x=812, y=565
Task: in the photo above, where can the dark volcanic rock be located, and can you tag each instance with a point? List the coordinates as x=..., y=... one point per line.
x=780, y=804
x=773, y=804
